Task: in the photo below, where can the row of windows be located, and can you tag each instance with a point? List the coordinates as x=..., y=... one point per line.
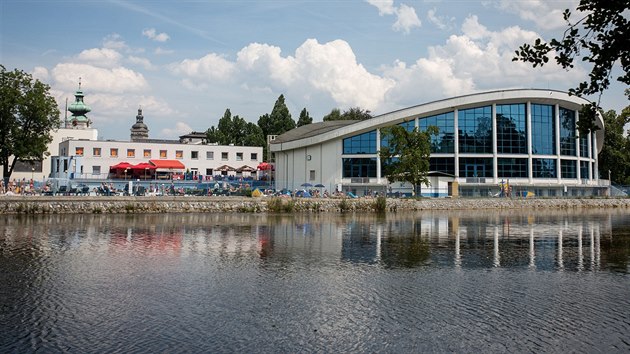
x=480, y=167
x=475, y=132
x=163, y=154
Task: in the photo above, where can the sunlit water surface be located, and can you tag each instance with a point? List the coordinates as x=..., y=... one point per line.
x=430, y=282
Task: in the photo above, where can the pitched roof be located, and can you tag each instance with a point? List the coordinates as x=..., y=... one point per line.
x=313, y=129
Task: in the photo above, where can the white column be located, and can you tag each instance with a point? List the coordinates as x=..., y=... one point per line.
x=577, y=148
x=590, y=156
x=595, y=153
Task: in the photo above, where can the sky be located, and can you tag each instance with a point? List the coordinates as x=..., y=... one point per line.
x=185, y=62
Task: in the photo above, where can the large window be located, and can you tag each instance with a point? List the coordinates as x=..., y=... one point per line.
x=544, y=168
x=584, y=172
x=78, y=151
x=512, y=168
x=584, y=146
x=442, y=164
x=511, y=129
x=567, y=132
x=359, y=167
x=475, y=167
x=543, y=130
x=360, y=144
x=409, y=125
x=475, y=130
x=568, y=168
x=444, y=141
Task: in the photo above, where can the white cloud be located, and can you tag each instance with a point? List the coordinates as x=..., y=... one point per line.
x=181, y=128
x=116, y=80
x=40, y=73
x=473, y=29
x=438, y=21
x=114, y=41
x=211, y=66
x=153, y=35
x=100, y=57
x=545, y=14
x=406, y=17
x=144, y=62
x=162, y=51
x=385, y=7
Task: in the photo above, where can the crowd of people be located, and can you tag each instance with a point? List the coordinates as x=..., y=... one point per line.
x=17, y=187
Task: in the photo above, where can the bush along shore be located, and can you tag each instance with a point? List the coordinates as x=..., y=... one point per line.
x=131, y=205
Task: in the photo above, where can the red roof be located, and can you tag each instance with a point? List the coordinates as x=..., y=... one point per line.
x=169, y=164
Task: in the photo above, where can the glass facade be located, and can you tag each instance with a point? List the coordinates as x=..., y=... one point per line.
x=584, y=172
x=567, y=132
x=360, y=144
x=475, y=130
x=442, y=164
x=543, y=129
x=409, y=125
x=475, y=167
x=359, y=167
x=584, y=147
x=568, y=169
x=544, y=168
x=444, y=142
x=511, y=129
x=512, y=168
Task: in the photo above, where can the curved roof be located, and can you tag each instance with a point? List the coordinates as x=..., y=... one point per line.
x=311, y=134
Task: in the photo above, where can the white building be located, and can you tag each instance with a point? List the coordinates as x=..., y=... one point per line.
x=524, y=138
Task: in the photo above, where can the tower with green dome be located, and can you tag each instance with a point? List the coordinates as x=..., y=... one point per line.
x=79, y=109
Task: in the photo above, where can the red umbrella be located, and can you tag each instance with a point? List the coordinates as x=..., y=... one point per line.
x=142, y=166
x=264, y=166
x=121, y=166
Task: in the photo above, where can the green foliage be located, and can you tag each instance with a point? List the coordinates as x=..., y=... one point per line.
x=615, y=155
x=235, y=130
x=28, y=113
x=354, y=113
x=344, y=205
x=601, y=37
x=406, y=158
x=305, y=118
x=279, y=121
x=278, y=205
x=380, y=204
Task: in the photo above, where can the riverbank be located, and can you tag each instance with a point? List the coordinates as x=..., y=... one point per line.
x=121, y=205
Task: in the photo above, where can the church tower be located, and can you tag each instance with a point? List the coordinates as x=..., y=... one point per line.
x=78, y=120
x=139, y=131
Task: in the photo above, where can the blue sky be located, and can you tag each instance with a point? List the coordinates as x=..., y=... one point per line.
x=185, y=62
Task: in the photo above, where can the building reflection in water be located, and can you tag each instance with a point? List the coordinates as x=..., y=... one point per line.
x=538, y=241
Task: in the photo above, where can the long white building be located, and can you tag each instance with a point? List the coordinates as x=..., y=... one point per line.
x=525, y=139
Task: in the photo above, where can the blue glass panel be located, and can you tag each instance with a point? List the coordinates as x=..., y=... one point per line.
x=475, y=130
x=543, y=130
x=544, y=168
x=567, y=132
x=360, y=144
x=409, y=125
x=442, y=164
x=511, y=129
x=512, y=168
x=584, y=146
x=584, y=172
x=475, y=167
x=444, y=141
x=359, y=167
x=568, y=169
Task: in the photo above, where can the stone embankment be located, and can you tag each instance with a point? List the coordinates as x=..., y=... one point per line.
x=120, y=205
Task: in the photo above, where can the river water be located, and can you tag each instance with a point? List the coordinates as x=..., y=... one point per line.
x=408, y=282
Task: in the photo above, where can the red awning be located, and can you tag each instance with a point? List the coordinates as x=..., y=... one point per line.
x=121, y=166
x=168, y=164
x=264, y=166
x=143, y=166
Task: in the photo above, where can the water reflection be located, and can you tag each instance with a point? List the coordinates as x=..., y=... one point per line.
x=426, y=282
x=558, y=241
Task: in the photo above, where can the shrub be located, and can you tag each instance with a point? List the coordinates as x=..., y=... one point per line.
x=380, y=204
x=344, y=205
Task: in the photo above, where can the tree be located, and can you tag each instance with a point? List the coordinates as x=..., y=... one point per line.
x=304, y=119
x=235, y=130
x=354, y=113
x=335, y=114
x=28, y=114
x=615, y=155
x=279, y=121
x=406, y=157
x=601, y=37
